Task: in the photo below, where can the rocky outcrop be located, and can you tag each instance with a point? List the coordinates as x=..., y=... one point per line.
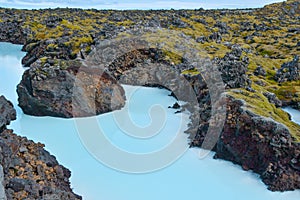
x=233, y=67
x=51, y=48
x=7, y=112
x=74, y=91
x=12, y=31
x=289, y=71
x=258, y=144
x=2, y=189
x=273, y=99
x=29, y=171
x=260, y=71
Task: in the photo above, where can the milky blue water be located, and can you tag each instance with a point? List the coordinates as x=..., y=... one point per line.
x=294, y=114
x=187, y=178
x=133, y=4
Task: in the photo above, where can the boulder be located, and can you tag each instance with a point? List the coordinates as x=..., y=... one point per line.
x=260, y=71
x=259, y=144
x=71, y=91
x=273, y=99
x=289, y=71
x=7, y=112
x=234, y=68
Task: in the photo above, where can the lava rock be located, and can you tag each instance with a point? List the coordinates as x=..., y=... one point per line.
x=25, y=168
x=202, y=39
x=289, y=71
x=233, y=68
x=7, y=112
x=216, y=36
x=260, y=71
x=175, y=106
x=74, y=91
x=273, y=99
x=246, y=135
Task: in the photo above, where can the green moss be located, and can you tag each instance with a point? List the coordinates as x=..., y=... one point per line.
x=287, y=93
x=125, y=23
x=196, y=29
x=44, y=60
x=52, y=47
x=259, y=104
x=192, y=72
x=270, y=48
x=70, y=25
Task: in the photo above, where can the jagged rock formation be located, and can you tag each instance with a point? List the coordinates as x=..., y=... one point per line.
x=233, y=68
x=262, y=145
x=272, y=98
x=240, y=42
x=289, y=71
x=30, y=172
x=11, y=31
x=75, y=91
x=7, y=112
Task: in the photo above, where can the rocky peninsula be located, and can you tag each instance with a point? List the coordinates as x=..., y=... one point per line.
x=27, y=170
x=256, y=52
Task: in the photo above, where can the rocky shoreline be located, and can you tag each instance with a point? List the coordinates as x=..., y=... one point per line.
x=256, y=53
x=27, y=169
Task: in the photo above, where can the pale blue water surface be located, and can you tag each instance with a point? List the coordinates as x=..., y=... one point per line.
x=187, y=178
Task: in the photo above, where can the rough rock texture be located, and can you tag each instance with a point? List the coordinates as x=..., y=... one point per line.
x=246, y=135
x=46, y=48
x=7, y=112
x=235, y=39
x=233, y=68
x=289, y=71
x=75, y=91
x=30, y=172
x=259, y=144
x=2, y=189
x=259, y=71
x=273, y=99
x=12, y=32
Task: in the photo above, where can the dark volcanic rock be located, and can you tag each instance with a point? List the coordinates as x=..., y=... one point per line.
x=223, y=28
x=260, y=71
x=273, y=99
x=75, y=91
x=259, y=144
x=27, y=170
x=175, y=106
x=12, y=31
x=289, y=71
x=7, y=112
x=233, y=68
x=202, y=39
x=43, y=49
x=2, y=189
x=216, y=36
